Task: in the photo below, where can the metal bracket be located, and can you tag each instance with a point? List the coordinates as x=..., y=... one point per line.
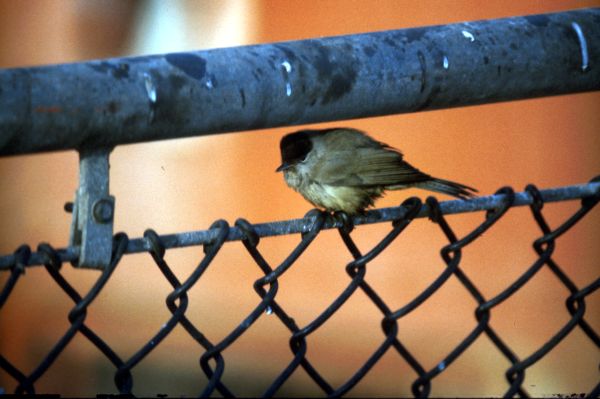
x=93, y=211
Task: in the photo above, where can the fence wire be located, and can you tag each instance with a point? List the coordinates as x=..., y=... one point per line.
x=212, y=361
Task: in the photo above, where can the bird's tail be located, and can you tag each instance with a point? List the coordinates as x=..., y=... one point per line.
x=448, y=187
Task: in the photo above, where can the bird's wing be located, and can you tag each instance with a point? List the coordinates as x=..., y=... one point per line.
x=365, y=166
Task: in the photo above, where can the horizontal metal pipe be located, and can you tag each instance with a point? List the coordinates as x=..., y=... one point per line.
x=127, y=100
x=296, y=226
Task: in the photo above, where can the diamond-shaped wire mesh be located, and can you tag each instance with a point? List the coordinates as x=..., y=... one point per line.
x=213, y=360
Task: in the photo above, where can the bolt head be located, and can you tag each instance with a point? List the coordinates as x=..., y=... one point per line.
x=103, y=210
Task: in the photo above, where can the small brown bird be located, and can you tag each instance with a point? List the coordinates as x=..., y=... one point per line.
x=343, y=169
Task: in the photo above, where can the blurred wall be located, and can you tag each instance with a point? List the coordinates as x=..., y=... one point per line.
x=182, y=185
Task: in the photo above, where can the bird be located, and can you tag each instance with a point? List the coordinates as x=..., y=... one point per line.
x=343, y=169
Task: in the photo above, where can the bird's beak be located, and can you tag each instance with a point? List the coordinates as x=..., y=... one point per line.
x=282, y=167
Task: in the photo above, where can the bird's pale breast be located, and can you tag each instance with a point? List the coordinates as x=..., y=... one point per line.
x=332, y=198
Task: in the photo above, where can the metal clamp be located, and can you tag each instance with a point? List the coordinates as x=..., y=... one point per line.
x=93, y=211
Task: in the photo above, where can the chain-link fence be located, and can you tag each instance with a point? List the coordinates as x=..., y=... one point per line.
x=213, y=361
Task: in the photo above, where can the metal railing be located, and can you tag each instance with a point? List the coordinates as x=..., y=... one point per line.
x=128, y=100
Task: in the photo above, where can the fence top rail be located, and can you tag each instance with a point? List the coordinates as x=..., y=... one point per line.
x=104, y=103
x=299, y=226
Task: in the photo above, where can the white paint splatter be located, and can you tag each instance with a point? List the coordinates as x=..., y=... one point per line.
x=287, y=67
x=585, y=58
x=150, y=88
x=468, y=35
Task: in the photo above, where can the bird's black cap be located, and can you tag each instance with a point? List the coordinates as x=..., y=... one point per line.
x=296, y=146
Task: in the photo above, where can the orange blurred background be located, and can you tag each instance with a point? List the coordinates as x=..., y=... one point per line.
x=186, y=184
